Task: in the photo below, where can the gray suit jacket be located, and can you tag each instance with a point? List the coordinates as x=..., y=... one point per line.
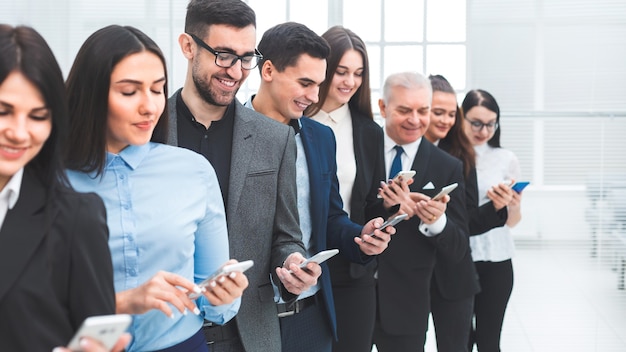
x=261, y=214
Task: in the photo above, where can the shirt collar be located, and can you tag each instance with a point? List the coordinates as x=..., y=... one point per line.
x=12, y=189
x=132, y=155
x=339, y=114
x=409, y=149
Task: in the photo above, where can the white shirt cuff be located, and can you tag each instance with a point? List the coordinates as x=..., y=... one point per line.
x=435, y=228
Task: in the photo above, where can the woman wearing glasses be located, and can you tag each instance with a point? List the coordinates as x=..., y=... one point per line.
x=492, y=250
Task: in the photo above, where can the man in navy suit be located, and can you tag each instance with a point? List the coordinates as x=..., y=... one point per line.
x=293, y=67
x=435, y=227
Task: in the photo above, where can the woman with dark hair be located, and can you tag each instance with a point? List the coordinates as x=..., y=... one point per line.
x=345, y=106
x=55, y=264
x=492, y=249
x=454, y=284
x=164, y=206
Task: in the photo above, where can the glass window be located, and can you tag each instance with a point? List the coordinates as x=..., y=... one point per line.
x=402, y=24
x=445, y=21
x=314, y=14
x=447, y=60
x=363, y=18
x=400, y=58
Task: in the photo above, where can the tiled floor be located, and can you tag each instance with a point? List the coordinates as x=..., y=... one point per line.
x=563, y=300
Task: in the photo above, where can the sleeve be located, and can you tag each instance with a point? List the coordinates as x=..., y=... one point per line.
x=481, y=218
x=211, y=249
x=91, y=285
x=453, y=241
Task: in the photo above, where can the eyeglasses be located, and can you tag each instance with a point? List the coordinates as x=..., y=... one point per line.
x=478, y=126
x=226, y=60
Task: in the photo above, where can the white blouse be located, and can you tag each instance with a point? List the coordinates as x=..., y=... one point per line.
x=340, y=121
x=493, y=166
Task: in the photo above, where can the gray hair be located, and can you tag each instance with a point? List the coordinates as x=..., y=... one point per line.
x=408, y=80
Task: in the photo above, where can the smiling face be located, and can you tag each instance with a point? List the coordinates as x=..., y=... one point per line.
x=442, y=115
x=294, y=89
x=406, y=114
x=25, y=124
x=217, y=85
x=136, y=100
x=484, y=116
x=345, y=81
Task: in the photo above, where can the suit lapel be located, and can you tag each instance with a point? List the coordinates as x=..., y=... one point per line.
x=313, y=163
x=244, y=138
x=22, y=232
x=420, y=165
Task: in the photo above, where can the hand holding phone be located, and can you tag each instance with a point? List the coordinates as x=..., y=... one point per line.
x=319, y=258
x=106, y=329
x=445, y=190
x=223, y=270
x=390, y=222
x=405, y=174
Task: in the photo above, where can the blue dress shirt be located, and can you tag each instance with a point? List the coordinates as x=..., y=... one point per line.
x=164, y=212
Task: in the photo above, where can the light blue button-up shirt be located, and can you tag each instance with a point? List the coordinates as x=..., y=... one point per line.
x=164, y=212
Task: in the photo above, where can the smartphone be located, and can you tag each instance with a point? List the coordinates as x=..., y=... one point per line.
x=320, y=257
x=406, y=174
x=223, y=270
x=519, y=186
x=105, y=329
x=390, y=222
x=447, y=189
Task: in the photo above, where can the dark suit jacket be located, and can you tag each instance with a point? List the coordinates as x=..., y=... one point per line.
x=457, y=280
x=55, y=267
x=405, y=268
x=368, y=142
x=331, y=227
x=261, y=215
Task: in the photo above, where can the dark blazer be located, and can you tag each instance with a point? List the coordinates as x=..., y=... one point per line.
x=331, y=227
x=368, y=142
x=405, y=268
x=261, y=215
x=457, y=280
x=55, y=267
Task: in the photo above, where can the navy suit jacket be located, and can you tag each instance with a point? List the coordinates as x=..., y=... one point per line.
x=331, y=226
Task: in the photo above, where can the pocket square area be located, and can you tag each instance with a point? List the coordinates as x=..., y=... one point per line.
x=429, y=185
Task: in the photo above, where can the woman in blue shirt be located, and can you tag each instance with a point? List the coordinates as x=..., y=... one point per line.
x=164, y=207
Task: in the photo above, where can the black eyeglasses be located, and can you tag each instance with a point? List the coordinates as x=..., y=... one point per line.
x=226, y=60
x=478, y=126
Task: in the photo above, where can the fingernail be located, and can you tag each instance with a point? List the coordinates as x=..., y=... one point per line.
x=221, y=279
x=232, y=275
x=196, y=311
x=185, y=311
x=213, y=284
x=57, y=349
x=172, y=316
x=203, y=289
x=197, y=289
x=382, y=183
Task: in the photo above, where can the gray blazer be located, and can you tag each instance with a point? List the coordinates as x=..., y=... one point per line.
x=261, y=214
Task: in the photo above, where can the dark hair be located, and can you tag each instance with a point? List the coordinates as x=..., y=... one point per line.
x=455, y=142
x=479, y=97
x=24, y=50
x=284, y=43
x=201, y=14
x=88, y=93
x=341, y=40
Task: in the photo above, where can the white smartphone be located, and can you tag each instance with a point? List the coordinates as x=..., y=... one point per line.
x=391, y=222
x=223, y=270
x=447, y=189
x=105, y=329
x=320, y=257
x=406, y=174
